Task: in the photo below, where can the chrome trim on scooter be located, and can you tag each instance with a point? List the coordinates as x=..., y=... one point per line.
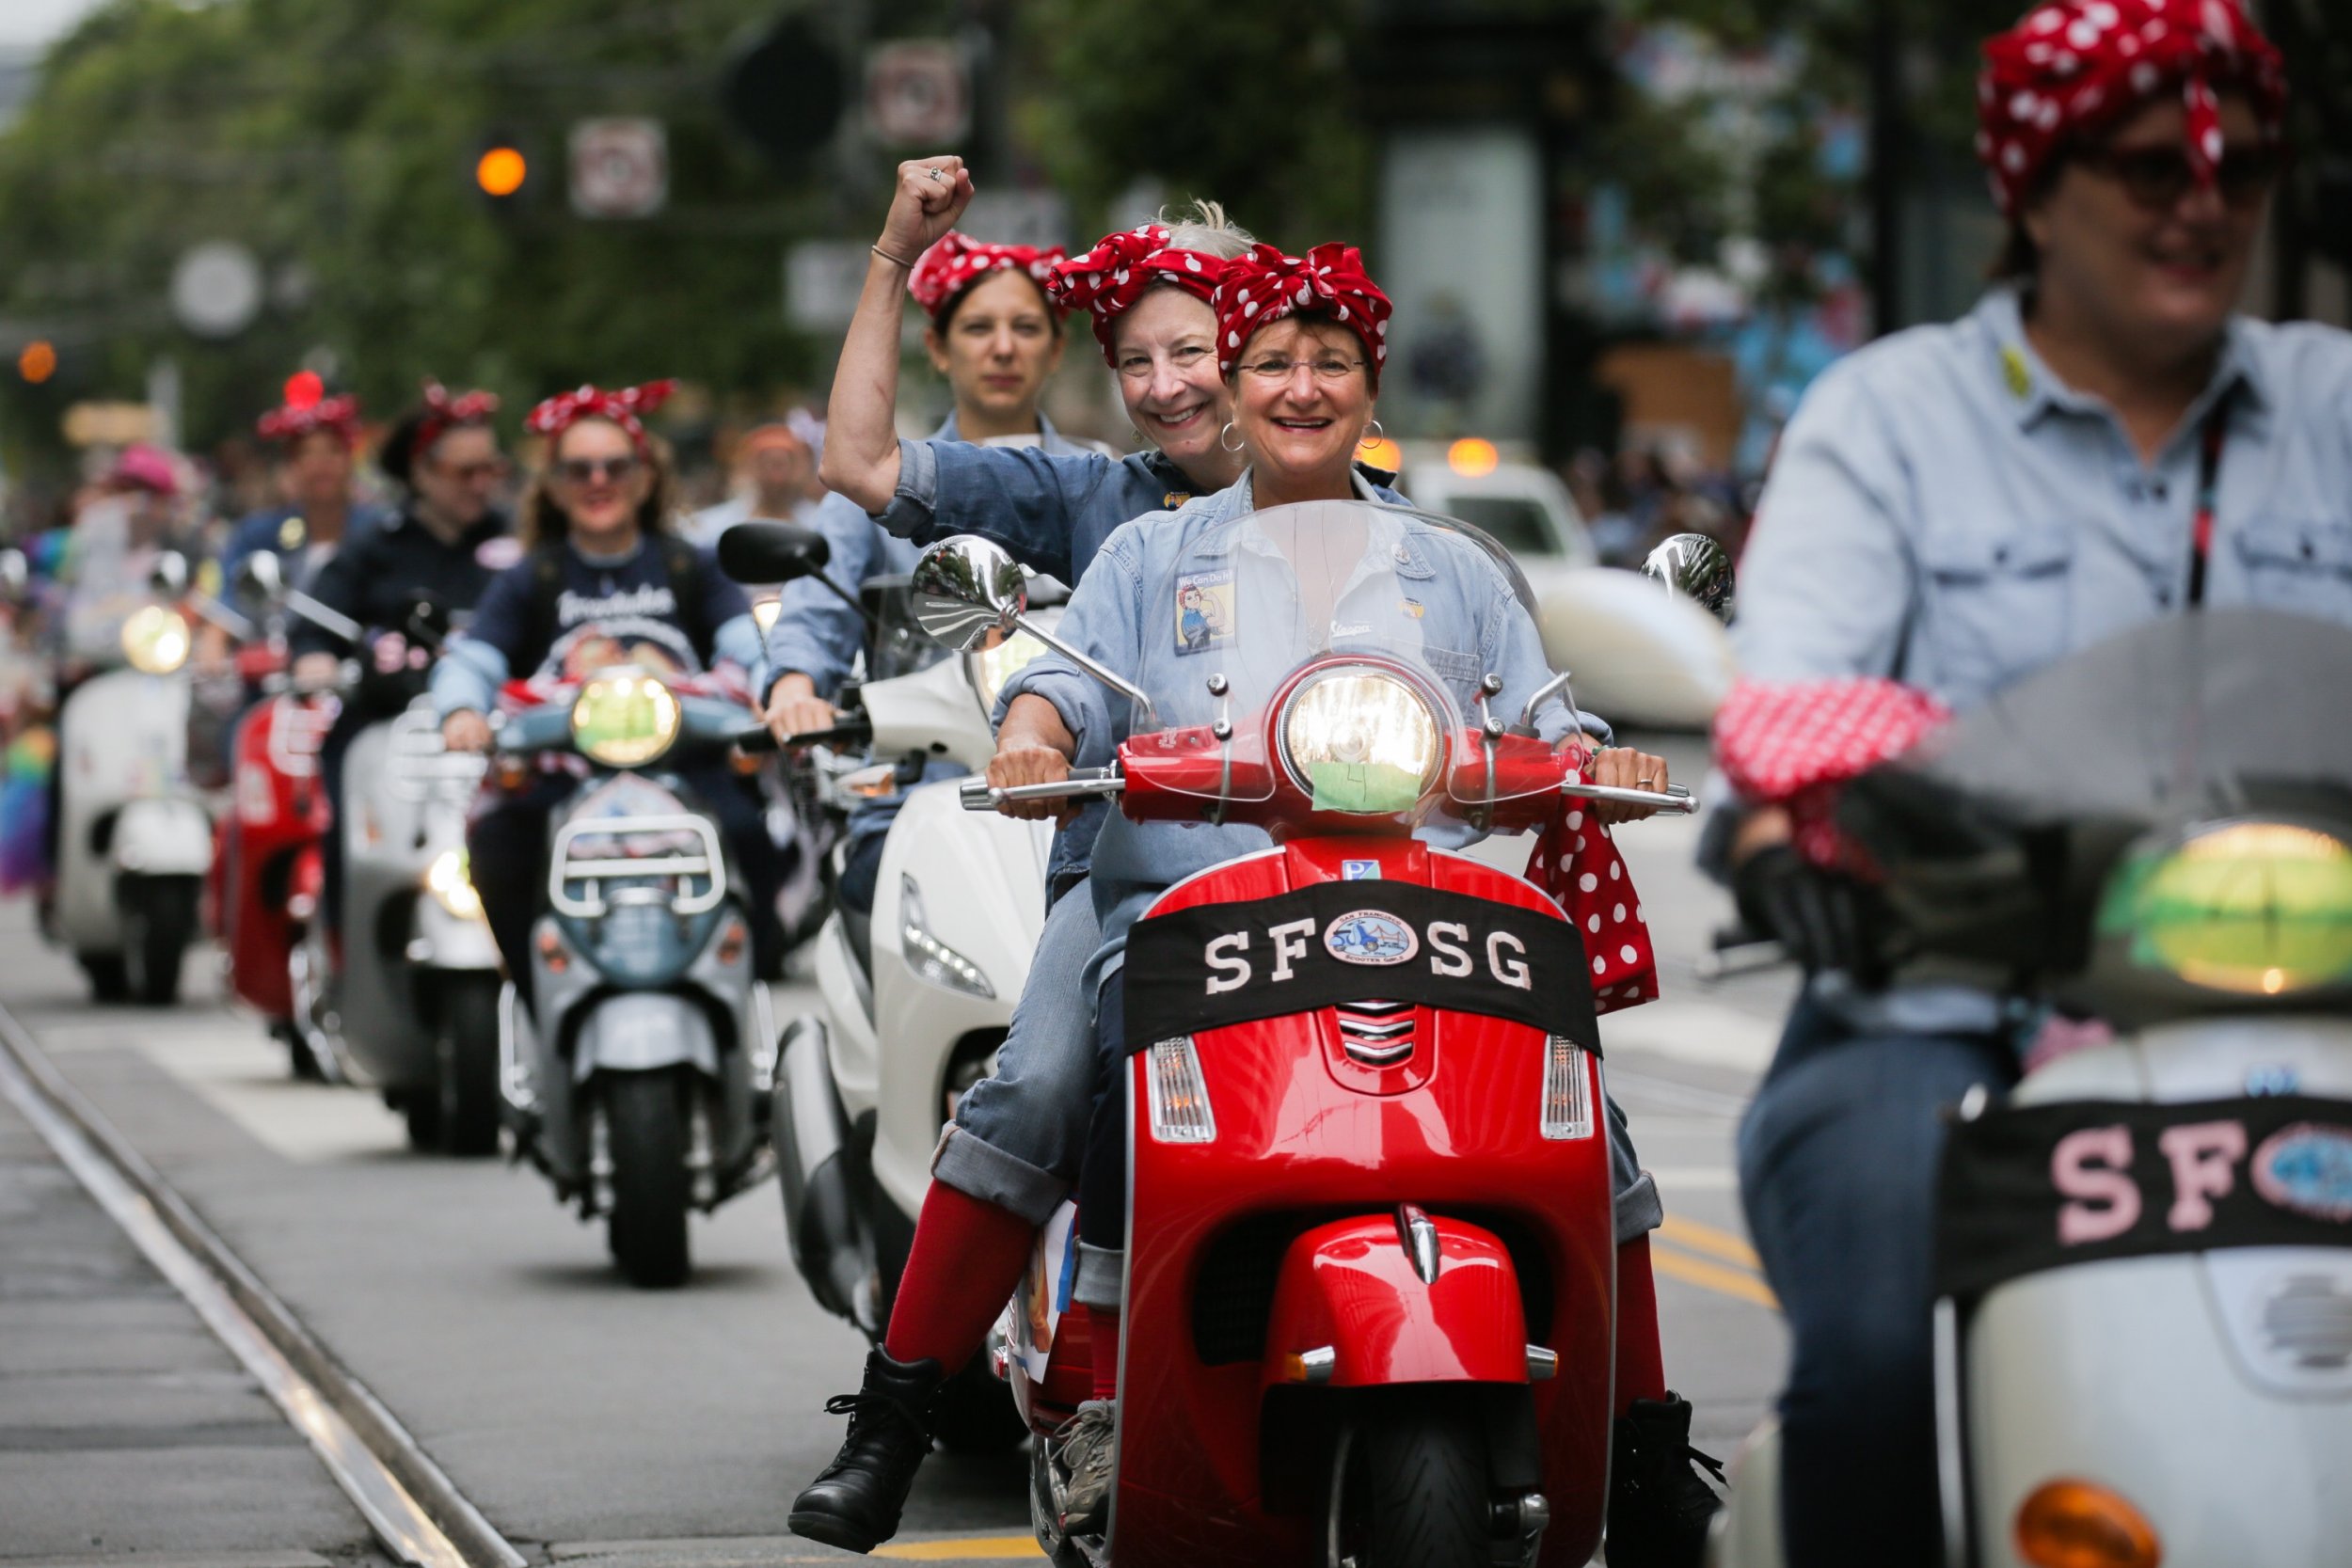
x=1418, y=1235
x=562, y=870
x=1951, y=1431
x=1541, y=1365
x=513, y=1072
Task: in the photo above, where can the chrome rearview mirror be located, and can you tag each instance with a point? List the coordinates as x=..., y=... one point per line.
x=1700, y=569
x=968, y=594
x=16, y=576
x=168, y=576
x=260, y=579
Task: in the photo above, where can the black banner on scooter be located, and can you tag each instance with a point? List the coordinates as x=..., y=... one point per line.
x=1336, y=943
x=2028, y=1188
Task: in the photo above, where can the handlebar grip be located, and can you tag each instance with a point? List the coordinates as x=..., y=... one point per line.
x=1675, y=799
x=1083, y=782
x=853, y=731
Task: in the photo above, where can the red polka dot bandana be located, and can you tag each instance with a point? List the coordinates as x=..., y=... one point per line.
x=444, y=413
x=1795, y=744
x=1107, y=281
x=626, y=407
x=2073, y=66
x=297, y=420
x=1330, y=280
x=957, y=262
x=1577, y=863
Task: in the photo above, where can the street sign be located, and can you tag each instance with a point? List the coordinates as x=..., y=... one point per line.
x=916, y=94
x=1016, y=216
x=216, y=289
x=822, y=279
x=620, y=168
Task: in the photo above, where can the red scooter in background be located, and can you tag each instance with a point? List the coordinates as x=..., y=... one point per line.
x=1369, y=1299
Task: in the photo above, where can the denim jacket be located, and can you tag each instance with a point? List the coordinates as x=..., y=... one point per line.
x=1420, y=584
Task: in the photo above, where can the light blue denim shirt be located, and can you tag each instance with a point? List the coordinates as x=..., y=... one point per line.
x=1944, y=511
x=818, y=635
x=1420, y=585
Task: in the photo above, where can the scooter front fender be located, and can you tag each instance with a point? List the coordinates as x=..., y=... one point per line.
x=166, y=835
x=1353, y=1311
x=443, y=941
x=641, y=1032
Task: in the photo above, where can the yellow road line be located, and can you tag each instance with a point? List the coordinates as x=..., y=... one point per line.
x=1713, y=1276
x=1691, y=1234
x=969, y=1550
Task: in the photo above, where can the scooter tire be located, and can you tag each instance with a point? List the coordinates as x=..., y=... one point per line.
x=107, y=982
x=975, y=1413
x=420, y=1115
x=158, y=925
x=646, y=1118
x=466, y=1046
x=1412, y=1485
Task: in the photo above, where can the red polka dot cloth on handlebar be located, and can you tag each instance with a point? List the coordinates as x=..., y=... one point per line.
x=957, y=260
x=337, y=415
x=1107, y=281
x=444, y=413
x=1330, y=280
x=2073, y=66
x=1795, y=744
x=1578, y=863
x=626, y=407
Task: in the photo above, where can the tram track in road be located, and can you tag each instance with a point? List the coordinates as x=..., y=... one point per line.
x=414, y=1509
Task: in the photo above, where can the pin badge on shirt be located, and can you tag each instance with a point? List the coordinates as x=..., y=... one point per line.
x=2018, y=374
x=1204, y=611
x=290, y=534
x=1412, y=608
x=1174, y=498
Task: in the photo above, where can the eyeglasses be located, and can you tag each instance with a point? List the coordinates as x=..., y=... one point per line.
x=588, y=470
x=2155, y=177
x=1138, y=367
x=1279, y=369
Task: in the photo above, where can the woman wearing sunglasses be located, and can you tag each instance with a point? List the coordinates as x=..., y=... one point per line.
x=2102, y=441
x=606, y=580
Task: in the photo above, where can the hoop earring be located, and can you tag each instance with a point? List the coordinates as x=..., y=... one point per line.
x=1222, y=434
x=1374, y=432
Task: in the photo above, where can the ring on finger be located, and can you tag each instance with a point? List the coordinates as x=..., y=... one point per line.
x=939, y=174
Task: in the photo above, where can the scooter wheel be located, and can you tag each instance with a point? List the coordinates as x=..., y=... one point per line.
x=645, y=1114
x=975, y=1413
x=1410, y=1485
x=466, y=1098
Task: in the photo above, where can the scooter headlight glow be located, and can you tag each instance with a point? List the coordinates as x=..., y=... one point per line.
x=1362, y=741
x=452, y=887
x=993, y=667
x=625, y=720
x=1179, y=1093
x=155, y=640
x=930, y=958
x=2250, y=908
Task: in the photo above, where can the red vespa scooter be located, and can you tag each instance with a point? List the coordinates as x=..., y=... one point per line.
x=1371, y=1264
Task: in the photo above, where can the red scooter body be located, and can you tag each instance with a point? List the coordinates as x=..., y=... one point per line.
x=267, y=863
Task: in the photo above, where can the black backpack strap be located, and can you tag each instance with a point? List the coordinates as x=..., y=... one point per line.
x=685, y=565
x=546, y=596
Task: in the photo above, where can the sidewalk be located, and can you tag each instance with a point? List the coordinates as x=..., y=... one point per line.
x=125, y=1427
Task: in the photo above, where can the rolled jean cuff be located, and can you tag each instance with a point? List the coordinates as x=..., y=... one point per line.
x=1638, y=1210
x=1101, y=1277
x=980, y=1169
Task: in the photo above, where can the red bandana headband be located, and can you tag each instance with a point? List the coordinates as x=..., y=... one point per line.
x=291, y=423
x=1330, y=280
x=443, y=413
x=2073, y=66
x=957, y=262
x=624, y=407
x=1107, y=281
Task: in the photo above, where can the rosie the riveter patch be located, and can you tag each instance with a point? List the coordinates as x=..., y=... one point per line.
x=2039, y=1187
x=1219, y=964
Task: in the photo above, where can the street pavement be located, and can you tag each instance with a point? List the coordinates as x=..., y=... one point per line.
x=592, y=1423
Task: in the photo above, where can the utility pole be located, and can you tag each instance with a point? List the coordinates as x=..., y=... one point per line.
x=1888, y=142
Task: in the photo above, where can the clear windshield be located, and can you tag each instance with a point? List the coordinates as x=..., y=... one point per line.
x=1376, y=595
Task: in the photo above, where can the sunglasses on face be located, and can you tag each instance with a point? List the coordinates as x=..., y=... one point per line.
x=2155, y=177
x=589, y=471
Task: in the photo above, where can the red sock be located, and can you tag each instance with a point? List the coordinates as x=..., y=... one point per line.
x=1102, y=1335
x=967, y=1259
x=1640, y=1360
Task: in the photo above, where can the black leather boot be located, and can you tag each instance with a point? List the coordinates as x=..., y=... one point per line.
x=1658, y=1506
x=855, y=1501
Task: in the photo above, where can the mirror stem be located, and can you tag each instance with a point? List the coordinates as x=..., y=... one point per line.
x=1118, y=683
x=849, y=598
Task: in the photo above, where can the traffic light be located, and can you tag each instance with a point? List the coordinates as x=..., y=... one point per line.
x=501, y=172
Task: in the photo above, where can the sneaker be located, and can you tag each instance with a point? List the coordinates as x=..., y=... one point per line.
x=1660, y=1505
x=1081, y=1462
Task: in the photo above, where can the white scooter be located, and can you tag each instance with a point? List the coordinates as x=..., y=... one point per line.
x=135, y=839
x=915, y=999
x=2144, y=1328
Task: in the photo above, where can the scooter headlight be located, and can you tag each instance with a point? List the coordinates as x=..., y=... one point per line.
x=1362, y=741
x=452, y=887
x=2250, y=908
x=625, y=720
x=930, y=957
x=155, y=640
x=993, y=667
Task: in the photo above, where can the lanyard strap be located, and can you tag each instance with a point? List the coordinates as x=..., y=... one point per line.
x=2217, y=434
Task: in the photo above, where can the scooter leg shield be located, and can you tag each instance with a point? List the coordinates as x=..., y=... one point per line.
x=1354, y=1307
x=163, y=837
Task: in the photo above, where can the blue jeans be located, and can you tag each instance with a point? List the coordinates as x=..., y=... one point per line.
x=1017, y=1136
x=1838, y=1156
